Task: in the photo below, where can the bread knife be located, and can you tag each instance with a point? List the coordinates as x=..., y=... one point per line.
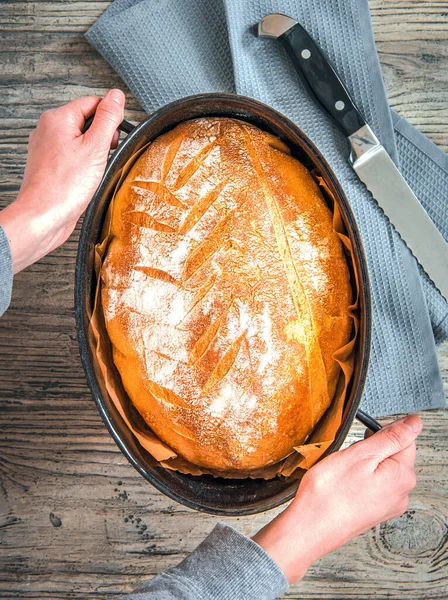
x=368, y=157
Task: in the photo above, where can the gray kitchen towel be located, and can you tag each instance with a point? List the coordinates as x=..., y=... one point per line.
x=166, y=49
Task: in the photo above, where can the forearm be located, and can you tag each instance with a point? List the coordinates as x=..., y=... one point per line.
x=226, y=565
x=30, y=235
x=287, y=542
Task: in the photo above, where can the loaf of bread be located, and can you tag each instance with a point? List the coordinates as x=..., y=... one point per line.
x=225, y=292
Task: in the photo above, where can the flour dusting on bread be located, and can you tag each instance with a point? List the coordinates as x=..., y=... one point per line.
x=225, y=292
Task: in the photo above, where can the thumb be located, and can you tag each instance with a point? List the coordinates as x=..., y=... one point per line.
x=393, y=438
x=109, y=114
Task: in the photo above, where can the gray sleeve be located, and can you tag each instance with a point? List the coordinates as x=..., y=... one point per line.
x=225, y=566
x=5, y=272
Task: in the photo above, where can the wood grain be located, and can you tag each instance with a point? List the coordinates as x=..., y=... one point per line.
x=76, y=520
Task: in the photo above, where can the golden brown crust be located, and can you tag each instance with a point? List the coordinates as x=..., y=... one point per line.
x=225, y=293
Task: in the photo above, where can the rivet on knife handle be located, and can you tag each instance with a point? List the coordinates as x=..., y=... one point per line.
x=315, y=71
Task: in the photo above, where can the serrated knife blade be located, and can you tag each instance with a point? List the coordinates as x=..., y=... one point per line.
x=378, y=172
x=368, y=157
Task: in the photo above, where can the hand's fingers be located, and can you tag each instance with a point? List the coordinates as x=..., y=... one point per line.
x=115, y=139
x=368, y=433
x=405, y=457
x=392, y=439
x=108, y=116
x=79, y=110
x=399, y=469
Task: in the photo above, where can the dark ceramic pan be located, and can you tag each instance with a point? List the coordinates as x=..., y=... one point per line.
x=205, y=493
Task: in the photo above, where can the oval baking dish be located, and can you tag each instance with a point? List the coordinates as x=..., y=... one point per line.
x=206, y=493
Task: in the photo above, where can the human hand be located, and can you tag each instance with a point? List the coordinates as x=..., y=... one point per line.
x=343, y=495
x=64, y=167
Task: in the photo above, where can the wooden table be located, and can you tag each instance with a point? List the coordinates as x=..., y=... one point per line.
x=76, y=520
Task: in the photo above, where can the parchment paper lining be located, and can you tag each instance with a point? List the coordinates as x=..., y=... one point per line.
x=303, y=457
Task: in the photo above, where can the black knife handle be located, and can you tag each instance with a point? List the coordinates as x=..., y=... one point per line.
x=321, y=80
